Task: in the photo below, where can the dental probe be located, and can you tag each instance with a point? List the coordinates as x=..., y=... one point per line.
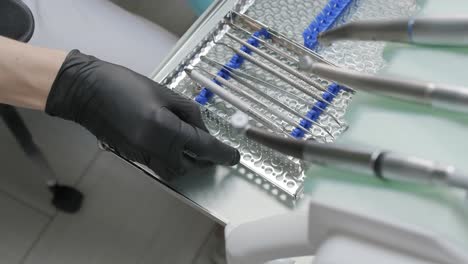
x=231, y=98
x=278, y=74
x=277, y=37
x=281, y=65
x=264, y=43
x=382, y=164
x=443, y=31
x=256, y=80
x=453, y=98
x=278, y=63
x=252, y=98
x=237, y=75
x=278, y=103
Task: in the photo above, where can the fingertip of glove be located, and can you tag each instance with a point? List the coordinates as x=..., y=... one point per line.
x=235, y=159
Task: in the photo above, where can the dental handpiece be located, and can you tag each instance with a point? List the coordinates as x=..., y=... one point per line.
x=382, y=164
x=441, y=31
x=452, y=98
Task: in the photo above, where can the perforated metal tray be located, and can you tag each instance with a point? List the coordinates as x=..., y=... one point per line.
x=276, y=172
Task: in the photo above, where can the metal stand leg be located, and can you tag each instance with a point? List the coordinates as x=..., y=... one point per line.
x=65, y=198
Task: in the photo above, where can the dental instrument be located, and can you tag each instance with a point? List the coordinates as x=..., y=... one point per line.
x=252, y=98
x=280, y=75
x=264, y=43
x=441, y=31
x=278, y=63
x=277, y=37
x=385, y=165
x=238, y=75
x=255, y=79
x=275, y=101
x=452, y=98
x=232, y=99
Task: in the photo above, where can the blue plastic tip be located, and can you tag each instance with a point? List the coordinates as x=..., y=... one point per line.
x=313, y=114
x=231, y=65
x=334, y=88
x=321, y=104
x=316, y=110
x=246, y=50
x=297, y=133
x=224, y=71
x=237, y=60
x=328, y=96
x=264, y=32
x=305, y=124
x=224, y=74
x=206, y=93
x=217, y=82
x=323, y=21
x=201, y=99
x=253, y=42
x=340, y=87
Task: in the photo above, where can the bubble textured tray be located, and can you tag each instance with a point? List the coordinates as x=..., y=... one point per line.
x=275, y=172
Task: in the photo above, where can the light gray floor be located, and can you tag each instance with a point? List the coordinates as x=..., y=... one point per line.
x=126, y=218
x=174, y=15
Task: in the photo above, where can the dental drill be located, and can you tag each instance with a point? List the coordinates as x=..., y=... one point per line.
x=440, y=31
x=452, y=98
x=385, y=165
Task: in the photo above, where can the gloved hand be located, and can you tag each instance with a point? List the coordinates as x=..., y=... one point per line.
x=142, y=120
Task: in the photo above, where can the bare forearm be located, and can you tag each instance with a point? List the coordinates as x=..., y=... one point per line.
x=27, y=73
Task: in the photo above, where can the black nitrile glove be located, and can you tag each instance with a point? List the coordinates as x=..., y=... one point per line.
x=142, y=120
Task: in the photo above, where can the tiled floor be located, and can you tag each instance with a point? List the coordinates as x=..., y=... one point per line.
x=126, y=218
x=20, y=226
x=19, y=176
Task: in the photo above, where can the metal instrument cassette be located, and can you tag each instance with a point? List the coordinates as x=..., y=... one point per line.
x=276, y=88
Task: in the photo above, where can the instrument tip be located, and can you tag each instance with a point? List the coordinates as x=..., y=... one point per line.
x=459, y=179
x=305, y=63
x=323, y=38
x=240, y=121
x=188, y=70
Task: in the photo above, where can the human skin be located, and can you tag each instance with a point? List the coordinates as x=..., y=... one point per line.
x=27, y=73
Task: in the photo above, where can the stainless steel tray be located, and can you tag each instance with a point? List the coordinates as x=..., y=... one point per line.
x=275, y=172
